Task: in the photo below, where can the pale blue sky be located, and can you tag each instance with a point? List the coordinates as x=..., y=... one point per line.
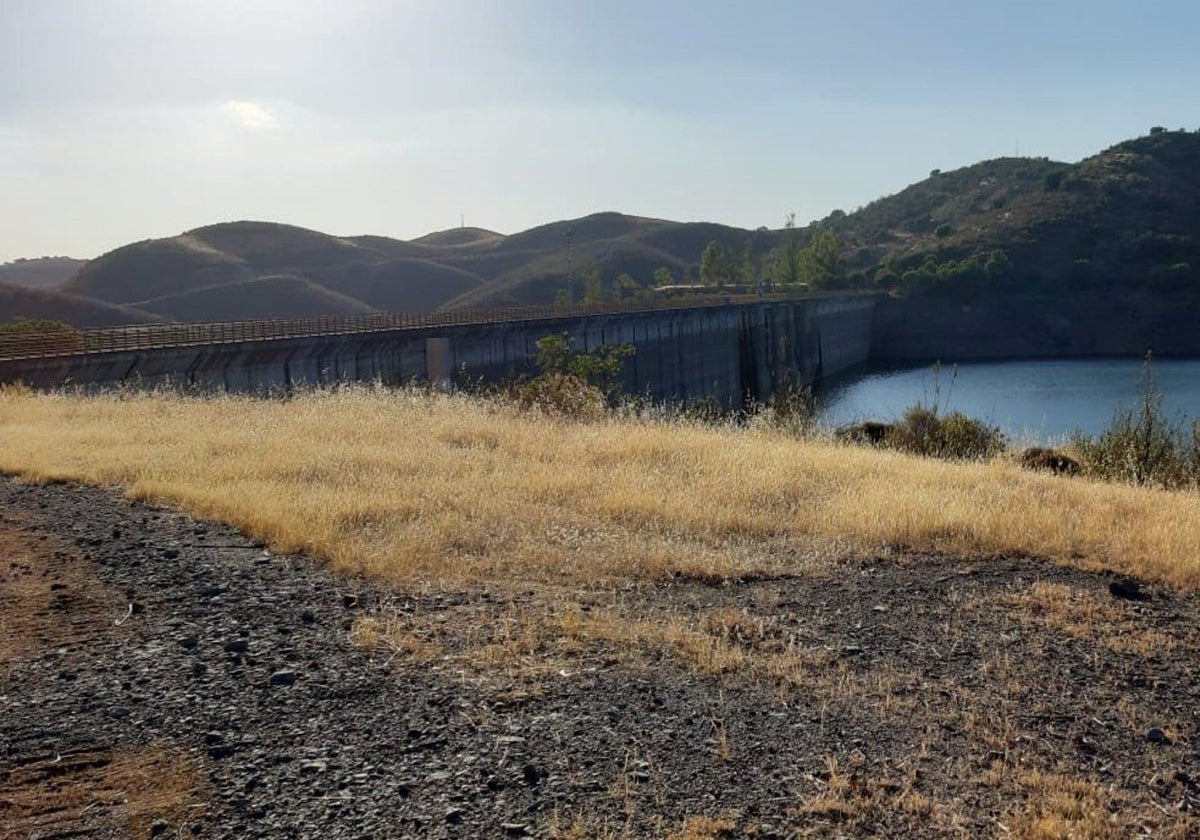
x=128, y=119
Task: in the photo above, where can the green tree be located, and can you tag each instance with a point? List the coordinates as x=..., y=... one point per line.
x=593, y=284
x=625, y=287
x=789, y=266
x=712, y=265
x=821, y=262
x=662, y=276
x=996, y=264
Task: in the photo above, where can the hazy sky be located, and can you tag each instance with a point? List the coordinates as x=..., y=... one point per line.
x=129, y=119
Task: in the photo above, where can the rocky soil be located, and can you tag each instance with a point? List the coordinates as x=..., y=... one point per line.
x=161, y=676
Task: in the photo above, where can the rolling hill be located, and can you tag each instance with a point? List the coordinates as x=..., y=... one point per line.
x=1125, y=218
x=276, y=296
x=37, y=304
x=40, y=272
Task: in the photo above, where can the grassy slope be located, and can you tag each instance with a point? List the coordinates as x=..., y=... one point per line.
x=41, y=272
x=458, y=237
x=278, y=296
x=156, y=267
x=33, y=304
x=484, y=494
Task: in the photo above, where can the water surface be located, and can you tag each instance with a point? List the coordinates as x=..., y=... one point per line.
x=1029, y=400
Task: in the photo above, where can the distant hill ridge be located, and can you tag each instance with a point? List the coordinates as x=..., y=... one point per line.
x=1126, y=217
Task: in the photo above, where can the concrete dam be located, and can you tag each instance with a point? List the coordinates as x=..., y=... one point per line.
x=733, y=350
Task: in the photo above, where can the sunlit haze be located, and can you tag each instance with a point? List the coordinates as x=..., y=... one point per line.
x=123, y=120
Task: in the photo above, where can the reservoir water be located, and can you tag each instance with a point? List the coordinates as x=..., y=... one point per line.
x=1033, y=401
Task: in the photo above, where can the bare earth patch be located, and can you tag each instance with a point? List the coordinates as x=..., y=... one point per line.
x=98, y=793
x=49, y=597
x=53, y=603
x=902, y=695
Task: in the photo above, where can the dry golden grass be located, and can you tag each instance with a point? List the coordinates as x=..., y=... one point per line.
x=445, y=492
x=1088, y=615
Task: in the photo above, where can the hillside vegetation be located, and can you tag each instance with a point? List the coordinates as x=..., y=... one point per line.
x=1120, y=222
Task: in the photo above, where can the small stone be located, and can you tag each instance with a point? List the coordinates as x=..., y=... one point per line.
x=531, y=774
x=1157, y=736
x=158, y=827
x=170, y=553
x=199, y=669
x=514, y=829
x=454, y=815
x=314, y=766
x=237, y=646
x=214, y=737
x=220, y=751
x=188, y=642
x=283, y=678
x=350, y=601
x=307, y=617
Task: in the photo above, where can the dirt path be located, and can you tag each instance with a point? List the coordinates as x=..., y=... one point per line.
x=163, y=677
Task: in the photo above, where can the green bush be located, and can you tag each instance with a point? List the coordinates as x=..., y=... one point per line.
x=571, y=383
x=1141, y=445
x=954, y=436
x=601, y=368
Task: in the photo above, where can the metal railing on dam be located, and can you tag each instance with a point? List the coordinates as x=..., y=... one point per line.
x=37, y=345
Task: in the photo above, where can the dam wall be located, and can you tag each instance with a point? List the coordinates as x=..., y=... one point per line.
x=733, y=352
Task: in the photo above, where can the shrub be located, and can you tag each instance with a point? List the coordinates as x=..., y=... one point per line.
x=1141, y=445
x=942, y=230
x=562, y=395
x=792, y=408
x=954, y=436
x=1050, y=460
x=571, y=383
x=869, y=432
x=601, y=368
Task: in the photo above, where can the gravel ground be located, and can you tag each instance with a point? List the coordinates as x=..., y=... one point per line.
x=161, y=676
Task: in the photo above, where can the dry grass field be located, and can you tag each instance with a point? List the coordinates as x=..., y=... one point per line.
x=441, y=492
x=892, y=591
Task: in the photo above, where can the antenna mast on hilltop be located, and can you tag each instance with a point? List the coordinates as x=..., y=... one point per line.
x=462, y=220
